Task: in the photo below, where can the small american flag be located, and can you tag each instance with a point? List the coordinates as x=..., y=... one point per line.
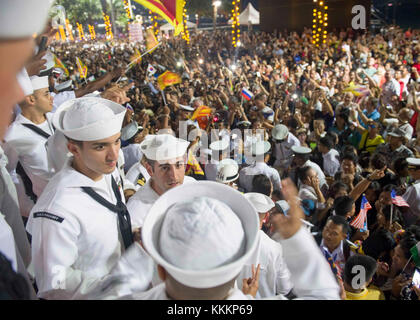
x=398, y=200
x=359, y=221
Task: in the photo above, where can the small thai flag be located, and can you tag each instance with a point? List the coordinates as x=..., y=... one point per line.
x=247, y=94
x=398, y=200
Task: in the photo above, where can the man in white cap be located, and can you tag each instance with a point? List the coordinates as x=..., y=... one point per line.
x=246, y=175
x=165, y=159
x=411, y=214
x=274, y=274
x=283, y=143
x=300, y=160
x=80, y=226
x=202, y=234
x=25, y=143
x=220, y=150
x=19, y=20
x=228, y=172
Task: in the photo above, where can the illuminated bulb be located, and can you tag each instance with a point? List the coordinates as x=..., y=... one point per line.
x=321, y=3
x=200, y=61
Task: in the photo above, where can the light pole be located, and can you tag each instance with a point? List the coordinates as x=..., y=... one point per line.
x=216, y=4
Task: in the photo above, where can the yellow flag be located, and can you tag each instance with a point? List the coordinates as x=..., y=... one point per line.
x=81, y=67
x=167, y=79
x=151, y=41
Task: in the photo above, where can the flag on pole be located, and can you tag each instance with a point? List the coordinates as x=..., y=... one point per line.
x=170, y=10
x=136, y=57
x=360, y=221
x=398, y=200
x=247, y=94
x=81, y=67
x=59, y=64
x=167, y=79
x=415, y=253
x=151, y=70
x=151, y=41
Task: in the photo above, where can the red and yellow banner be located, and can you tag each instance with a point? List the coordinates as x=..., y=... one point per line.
x=170, y=10
x=167, y=79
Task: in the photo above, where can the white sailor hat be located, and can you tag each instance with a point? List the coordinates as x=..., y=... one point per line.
x=260, y=147
x=261, y=202
x=414, y=162
x=49, y=65
x=25, y=82
x=219, y=145
x=163, y=147
x=227, y=173
x=22, y=18
x=227, y=161
x=280, y=132
x=130, y=130
x=243, y=124
x=301, y=150
x=89, y=119
x=186, y=108
x=64, y=85
x=39, y=82
x=201, y=233
x=397, y=132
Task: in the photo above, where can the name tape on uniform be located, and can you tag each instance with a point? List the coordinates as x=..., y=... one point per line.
x=48, y=216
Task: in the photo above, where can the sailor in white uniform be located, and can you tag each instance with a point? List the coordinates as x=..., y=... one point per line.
x=412, y=195
x=283, y=143
x=80, y=226
x=247, y=174
x=202, y=234
x=220, y=151
x=274, y=274
x=25, y=142
x=165, y=158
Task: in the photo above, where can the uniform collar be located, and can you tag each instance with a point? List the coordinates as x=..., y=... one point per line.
x=73, y=178
x=147, y=194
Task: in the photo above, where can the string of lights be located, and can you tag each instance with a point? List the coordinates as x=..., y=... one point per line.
x=236, y=32
x=127, y=9
x=92, y=31
x=185, y=33
x=80, y=31
x=320, y=22
x=69, y=30
x=108, y=28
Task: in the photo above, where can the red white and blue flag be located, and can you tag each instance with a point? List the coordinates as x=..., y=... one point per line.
x=247, y=94
x=398, y=200
x=360, y=222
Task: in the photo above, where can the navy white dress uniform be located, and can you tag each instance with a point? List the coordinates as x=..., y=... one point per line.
x=246, y=175
x=25, y=147
x=177, y=236
x=412, y=196
x=283, y=150
x=274, y=274
x=211, y=167
x=80, y=228
x=163, y=148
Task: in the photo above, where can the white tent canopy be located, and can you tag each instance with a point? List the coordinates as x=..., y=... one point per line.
x=249, y=16
x=169, y=27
